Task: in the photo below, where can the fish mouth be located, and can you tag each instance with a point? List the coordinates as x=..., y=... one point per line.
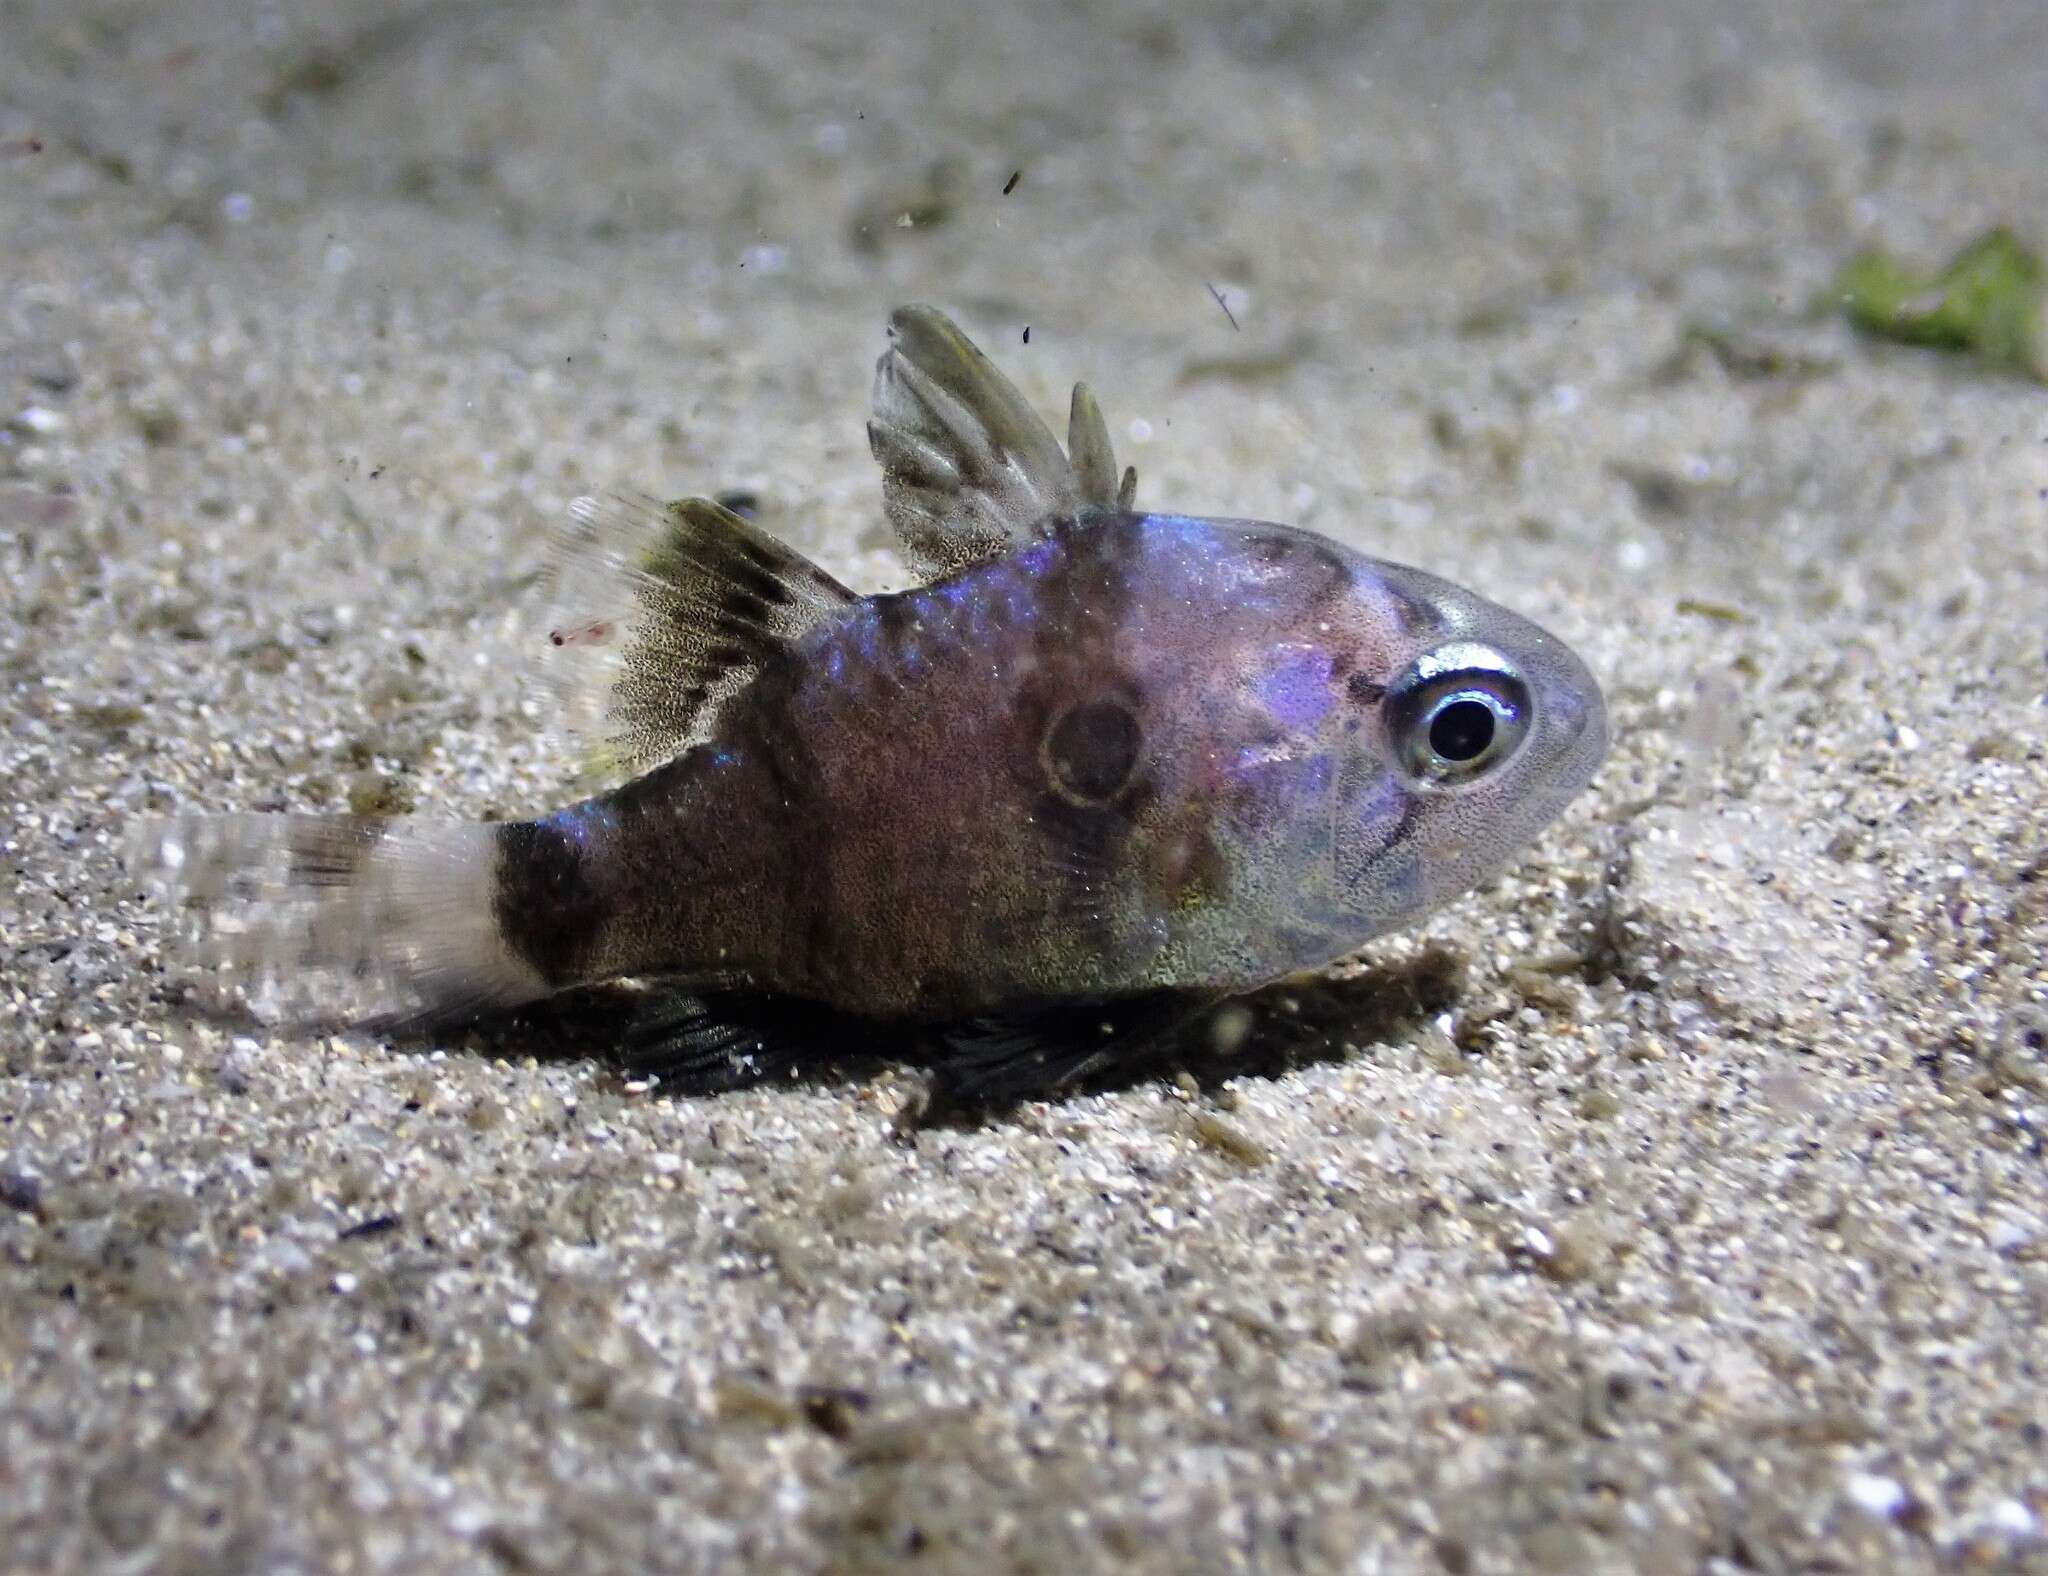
x=1577, y=747
x=1583, y=726
x=1574, y=721
x=1594, y=733
x=1570, y=743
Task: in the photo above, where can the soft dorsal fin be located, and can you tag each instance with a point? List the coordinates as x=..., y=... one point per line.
x=661, y=613
x=969, y=472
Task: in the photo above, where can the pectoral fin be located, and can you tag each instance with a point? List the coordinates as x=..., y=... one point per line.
x=1048, y=1050
x=660, y=614
x=969, y=472
x=716, y=1041
x=713, y=1041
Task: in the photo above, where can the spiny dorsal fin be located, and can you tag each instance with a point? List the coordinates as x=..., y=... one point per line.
x=969, y=472
x=661, y=613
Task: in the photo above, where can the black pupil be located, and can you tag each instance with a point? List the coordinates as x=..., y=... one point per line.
x=1462, y=730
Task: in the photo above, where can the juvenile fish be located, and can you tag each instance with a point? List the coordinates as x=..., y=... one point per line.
x=1097, y=771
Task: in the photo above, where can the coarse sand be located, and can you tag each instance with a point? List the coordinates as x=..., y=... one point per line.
x=1674, y=1204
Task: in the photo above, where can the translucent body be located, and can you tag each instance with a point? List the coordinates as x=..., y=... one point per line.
x=1145, y=751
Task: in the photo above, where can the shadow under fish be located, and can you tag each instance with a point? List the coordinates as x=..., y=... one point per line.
x=681, y=1044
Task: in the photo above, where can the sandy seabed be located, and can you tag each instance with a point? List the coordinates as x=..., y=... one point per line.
x=1700, y=1226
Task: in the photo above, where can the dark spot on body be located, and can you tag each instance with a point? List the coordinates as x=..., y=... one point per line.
x=1362, y=690
x=1075, y=738
x=1091, y=749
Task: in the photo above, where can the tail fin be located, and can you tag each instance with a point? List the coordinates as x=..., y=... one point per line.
x=333, y=919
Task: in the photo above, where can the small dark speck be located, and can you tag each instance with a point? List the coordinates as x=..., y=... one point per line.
x=375, y=1226
x=1027, y=333
x=1010, y=185
x=1657, y=491
x=19, y=1190
x=379, y=471
x=832, y=1409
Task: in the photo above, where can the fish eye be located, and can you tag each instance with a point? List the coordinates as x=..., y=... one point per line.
x=1457, y=713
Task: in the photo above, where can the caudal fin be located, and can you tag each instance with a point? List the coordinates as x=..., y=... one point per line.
x=334, y=919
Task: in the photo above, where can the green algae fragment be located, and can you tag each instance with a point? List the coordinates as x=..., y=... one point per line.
x=1987, y=302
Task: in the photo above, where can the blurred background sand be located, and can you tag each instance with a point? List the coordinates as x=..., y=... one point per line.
x=1696, y=1222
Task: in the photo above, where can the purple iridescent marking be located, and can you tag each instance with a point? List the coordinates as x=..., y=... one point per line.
x=579, y=823
x=1296, y=690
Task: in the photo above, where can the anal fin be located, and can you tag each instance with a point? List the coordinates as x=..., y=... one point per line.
x=717, y=1041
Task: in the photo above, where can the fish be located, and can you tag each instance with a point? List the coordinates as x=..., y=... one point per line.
x=1096, y=772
